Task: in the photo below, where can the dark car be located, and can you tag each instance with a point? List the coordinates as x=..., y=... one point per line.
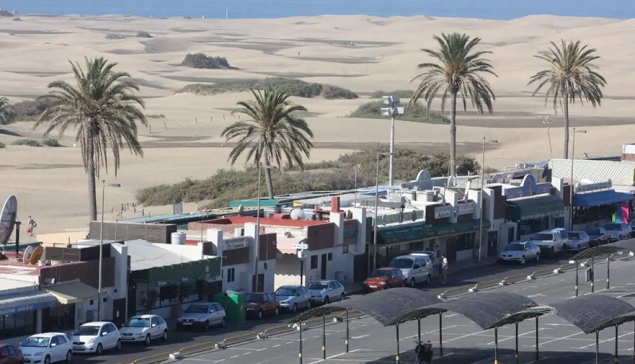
x=597, y=236
x=9, y=354
x=260, y=304
x=384, y=278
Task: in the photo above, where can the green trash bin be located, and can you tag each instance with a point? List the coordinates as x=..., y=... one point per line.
x=234, y=305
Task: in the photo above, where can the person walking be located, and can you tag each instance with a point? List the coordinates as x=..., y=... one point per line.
x=444, y=267
x=32, y=225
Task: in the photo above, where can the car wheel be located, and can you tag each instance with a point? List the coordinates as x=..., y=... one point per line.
x=326, y=300
x=99, y=349
x=47, y=359
x=295, y=308
x=537, y=258
x=69, y=356
x=260, y=315
x=148, y=340
x=223, y=322
x=429, y=279
x=342, y=297
x=164, y=337
x=118, y=346
x=523, y=260
x=277, y=311
x=413, y=283
x=403, y=283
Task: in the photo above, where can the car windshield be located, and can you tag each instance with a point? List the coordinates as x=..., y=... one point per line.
x=286, y=291
x=401, y=263
x=593, y=231
x=87, y=330
x=380, y=273
x=318, y=286
x=196, y=309
x=612, y=227
x=575, y=236
x=543, y=236
x=515, y=247
x=253, y=297
x=137, y=322
x=36, y=342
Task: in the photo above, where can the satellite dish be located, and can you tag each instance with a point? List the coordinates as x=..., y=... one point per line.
x=297, y=214
x=36, y=255
x=26, y=257
x=8, y=215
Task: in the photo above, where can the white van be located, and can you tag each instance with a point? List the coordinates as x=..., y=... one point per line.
x=415, y=268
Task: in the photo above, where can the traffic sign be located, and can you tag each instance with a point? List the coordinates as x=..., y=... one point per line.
x=300, y=246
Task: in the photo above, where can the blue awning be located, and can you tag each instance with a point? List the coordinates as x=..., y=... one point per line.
x=601, y=198
x=22, y=302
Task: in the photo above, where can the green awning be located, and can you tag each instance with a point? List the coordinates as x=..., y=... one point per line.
x=533, y=207
x=461, y=227
x=411, y=233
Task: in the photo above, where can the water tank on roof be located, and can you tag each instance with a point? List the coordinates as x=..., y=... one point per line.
x=297, y=214
x=178, y=238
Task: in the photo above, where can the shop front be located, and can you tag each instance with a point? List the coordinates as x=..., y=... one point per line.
x=20, y=312
x=597, y=203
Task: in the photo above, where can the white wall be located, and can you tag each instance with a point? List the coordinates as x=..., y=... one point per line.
x=191, y=252
x=241, y=278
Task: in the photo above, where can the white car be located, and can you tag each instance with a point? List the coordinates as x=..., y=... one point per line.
x=95, y=337
x=618, y=230
x=415, y=268
x=144, y=328
x=47, y=348
x=326, y=291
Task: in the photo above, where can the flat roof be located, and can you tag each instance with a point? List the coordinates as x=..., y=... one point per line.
x=144, y=255
x=18, y=269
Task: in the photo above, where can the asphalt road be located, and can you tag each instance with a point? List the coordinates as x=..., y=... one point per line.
x=463, y=341
x=456, y=283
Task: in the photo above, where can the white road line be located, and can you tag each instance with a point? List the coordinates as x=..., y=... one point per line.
x=607, y=340
x=247, y=353
x=444, y=356
x=335, y=356
x=558, y=339
x=359, y=337
x=261, y=349
x=450, y=315
x=627, y=294
x=513, y=337
x=234, y=357
x=276, y=346
x=289, y=342
x=536, y=295
x=429, y=332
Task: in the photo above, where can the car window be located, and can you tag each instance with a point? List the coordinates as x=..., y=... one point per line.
x=5, y=351
x=12, y=350
x=331, y=285
x=273, y=297
x=105, y=329
x=112, y=327
x=401, y=263
x=160, y=320
x=155, y=322
x=55, y=340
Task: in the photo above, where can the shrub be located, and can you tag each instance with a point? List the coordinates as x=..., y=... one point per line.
x=17, y=19
x=143, y=34
x=227, y=185
x=202, y=61
x=114, y=36
x=404, y=94
x=331, y=92
x=155, y=116
x=31, y=109
x=2, y=145
x=52, y=142
x=27, y=142
x=416, y=113
x=292, y=86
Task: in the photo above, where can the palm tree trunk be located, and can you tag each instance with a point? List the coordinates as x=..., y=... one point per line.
x=565, y=107
x=269, y=182
x=92, y=193
x=453, y=136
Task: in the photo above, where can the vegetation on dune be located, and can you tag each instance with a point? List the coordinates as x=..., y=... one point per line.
x=226, y=185
x=7, y=112
x=572, y=74
x=30, y=110
x=155, y=116
x=291, y=86
x=203, y=61
x=27, y=142
x=412, y=112
x=114, y=36
x=404, y=94
x=2, y=145
x=52, y=142
x=143, y=34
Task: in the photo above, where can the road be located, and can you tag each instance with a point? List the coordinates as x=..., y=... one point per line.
x=463, y=341
x=456, y=282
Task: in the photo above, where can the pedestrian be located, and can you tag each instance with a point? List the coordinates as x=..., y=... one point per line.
x=444, y=266
x=31, y=225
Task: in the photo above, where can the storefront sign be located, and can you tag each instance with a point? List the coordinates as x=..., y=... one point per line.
x=351, y=230
x=25, y=308
x=466, y=208
x=443, y=212
x=237, y=242
x=400, y=217
x=594, y=186
x=528, y=187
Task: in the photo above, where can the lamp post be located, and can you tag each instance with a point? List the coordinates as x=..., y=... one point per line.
x=101, y=244
x=571, y=181
x=480, y=227
x=577, y=267
x=255, y=281
x=376, y=213
x=392, y=111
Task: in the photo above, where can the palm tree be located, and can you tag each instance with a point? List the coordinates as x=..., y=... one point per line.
x=103, y=109
x=273, y=133
x=6, y=111
x=572, y=75
x=457, y=70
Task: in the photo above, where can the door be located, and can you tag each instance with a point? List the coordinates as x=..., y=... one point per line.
x=13, y=353
x=57, y=349
x=132, y=300
x=119, y=312
x=492, y=243
x=155, y=329
x=360, y=263
x=218, y=312
x=260, y=284
x=323, y=267
x=107, y=337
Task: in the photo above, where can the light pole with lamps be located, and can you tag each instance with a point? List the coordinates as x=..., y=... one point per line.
x=392, y=110
x=376, y=214
x=101, y=245
x=571, y=180
x=255, y=281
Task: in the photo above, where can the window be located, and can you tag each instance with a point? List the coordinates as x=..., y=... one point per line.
x=155, y=322
x=12, y=350
x=231, y=274
x=330, y=256
x=55, y=341
x=465, y=242
x=314, y=262
x=532, y=226
x=344, y=249
x=160, y=320
x=5, y=352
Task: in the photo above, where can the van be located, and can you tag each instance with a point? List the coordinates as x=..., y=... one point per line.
x=415, y=268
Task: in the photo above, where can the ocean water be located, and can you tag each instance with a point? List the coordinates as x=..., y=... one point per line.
x=488, y=9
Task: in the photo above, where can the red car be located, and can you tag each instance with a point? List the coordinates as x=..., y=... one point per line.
x=9, y=354
x=384, y=278
x=260, y=304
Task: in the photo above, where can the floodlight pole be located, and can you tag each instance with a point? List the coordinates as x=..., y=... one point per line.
x=480, y=226
x=577, y=267
x=441, y=334
x=300, y=352
x=397, y=357
x=608, y=272
x=592, y=274
x=257, y=238
x=101, y=246
x=571, y=181
x=391, y=173
x=324, y=337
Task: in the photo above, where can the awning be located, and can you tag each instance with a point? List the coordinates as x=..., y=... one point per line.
x=411, y=233
x=601, y=198
x=23, y=302
x=533, y=207
x=461, y=227
x=74, y=292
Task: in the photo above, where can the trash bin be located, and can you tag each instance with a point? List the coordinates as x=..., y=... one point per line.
x=589, y=274
x=234, y=305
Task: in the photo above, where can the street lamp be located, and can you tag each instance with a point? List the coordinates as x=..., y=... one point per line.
x=255, y=281
x=376, y=212
x=101, y=244
x=480, y=227
x=571, y=181
x=577, y=267
x=392, y=111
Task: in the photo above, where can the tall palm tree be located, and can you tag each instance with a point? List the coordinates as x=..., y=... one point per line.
x=456, y=70
x=572, y=75
x=274, y=132
x=103, y=109
x=6, y=111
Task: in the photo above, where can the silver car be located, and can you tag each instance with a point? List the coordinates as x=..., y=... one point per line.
x=293, y=297
x=326, y=291
x=202, y=315
x=578, y=241
x=520, y=251
x=618, y=230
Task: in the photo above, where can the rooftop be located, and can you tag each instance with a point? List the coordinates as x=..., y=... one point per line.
x=144, y=255
x=272, y=221
x=188, y=217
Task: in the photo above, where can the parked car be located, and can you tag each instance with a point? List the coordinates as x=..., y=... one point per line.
x=293, y=297
x=578, y=241
x=618, y=230
x=431, y=254
x=9, y=354
x=520, y=251
x=384, y=278
x=632, y=225
x=597, y=236
x=326, y=291
x=414, y=268
x=550, y=242
x=564, y=233
x=47, y=348
x=202, y=315
x=144, y=328
x=95, y=337
x=260, y=304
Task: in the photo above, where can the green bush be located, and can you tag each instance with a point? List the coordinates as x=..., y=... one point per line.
x=29, y=110
x=155, y=116
x=52, y=142
x=143, y=34
x=114, y=36
x=27, y=142
x=331, y=92
x=416, y=113
x=404, y=94
x=2, y=145
x=202, y=61
x=226, y=185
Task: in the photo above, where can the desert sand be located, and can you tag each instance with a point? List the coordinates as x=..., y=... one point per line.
x=361, y=53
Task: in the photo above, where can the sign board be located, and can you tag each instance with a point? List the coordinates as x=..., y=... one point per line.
x=528, y=187
x=466, y=208
x=300, y=246
x=443, y=212
x=594, y=186
x=301, y=254
x=177, y=208
x=237, y=242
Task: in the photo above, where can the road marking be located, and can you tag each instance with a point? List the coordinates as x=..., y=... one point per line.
x=334, y=356
x=450, y=315
x=234, y=357
x=513, y=337
x=627, y=294
x=558, y=324
x=359, y=337
x=289, y=342
x=247, y=353
x=261, y=349
x=607, y=340
x=429, y=332
x=275, y=346
x=536, y=295
x=558, y=339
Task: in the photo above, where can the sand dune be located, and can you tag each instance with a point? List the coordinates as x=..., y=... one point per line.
x=361, y=53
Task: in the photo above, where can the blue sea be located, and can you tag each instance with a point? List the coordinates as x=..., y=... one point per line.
x=488, y=9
